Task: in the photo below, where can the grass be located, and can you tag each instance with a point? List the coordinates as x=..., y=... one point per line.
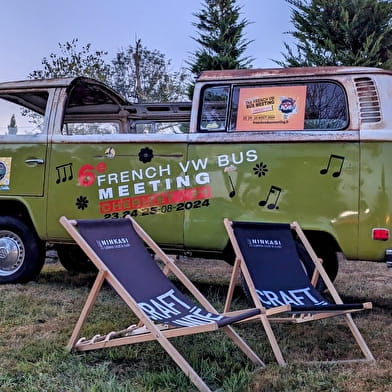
x=37, y=319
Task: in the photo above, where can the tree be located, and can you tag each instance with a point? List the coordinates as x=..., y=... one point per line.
x=139, y=74
x=341, y=32
x=143, y=75
x=220, y=34
x=73, y=61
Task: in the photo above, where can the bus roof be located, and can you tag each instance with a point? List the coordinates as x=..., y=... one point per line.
x=207, y=76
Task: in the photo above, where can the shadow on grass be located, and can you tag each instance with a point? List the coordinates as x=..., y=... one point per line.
x=57, y=276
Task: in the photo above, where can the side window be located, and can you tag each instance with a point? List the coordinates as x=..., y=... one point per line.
x=162, y=127
x=319, y=105
x=23, y=115
x=144, y=127
x=214, y=108
x=326, y=106
x=90, y=128
x=171, y=127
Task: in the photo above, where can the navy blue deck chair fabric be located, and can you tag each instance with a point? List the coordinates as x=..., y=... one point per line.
x=124, y=253
x=271, y=256
x=120, y=249
x=268, y=257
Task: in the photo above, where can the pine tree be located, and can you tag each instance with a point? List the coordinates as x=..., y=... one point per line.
x=220, y=35
x=341, y=32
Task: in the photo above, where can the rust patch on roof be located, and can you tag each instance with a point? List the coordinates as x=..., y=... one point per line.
x=286, y=72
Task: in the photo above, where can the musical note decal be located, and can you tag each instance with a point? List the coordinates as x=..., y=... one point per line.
x=227, y=170
x=232, y=192
x=67, y=173
x=273, y=194
x=335, y=161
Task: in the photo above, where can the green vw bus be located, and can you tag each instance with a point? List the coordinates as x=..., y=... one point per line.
x=304, y=144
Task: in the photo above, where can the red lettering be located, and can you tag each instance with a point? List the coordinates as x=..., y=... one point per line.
x=105, y=207
x=152, y=200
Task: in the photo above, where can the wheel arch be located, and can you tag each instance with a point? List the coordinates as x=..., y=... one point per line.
x=17, y=209
x=15, y=216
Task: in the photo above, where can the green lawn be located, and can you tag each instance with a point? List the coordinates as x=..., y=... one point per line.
x=37, y=319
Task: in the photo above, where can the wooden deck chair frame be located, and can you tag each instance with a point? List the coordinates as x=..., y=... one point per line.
x=267, y=316
x=145, y=330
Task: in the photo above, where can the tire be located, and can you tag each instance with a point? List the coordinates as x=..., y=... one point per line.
x=330, y=261
x=22, y=254
x=330, y=264
x=308, y=265
x=73, y=259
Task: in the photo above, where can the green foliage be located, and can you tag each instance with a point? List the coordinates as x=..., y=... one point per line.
x=341, y=32
x=220, y=35
x=139, y=74
x=143, y=75
x=74, y=61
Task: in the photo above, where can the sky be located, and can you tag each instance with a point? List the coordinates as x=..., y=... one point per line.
x=32, y=30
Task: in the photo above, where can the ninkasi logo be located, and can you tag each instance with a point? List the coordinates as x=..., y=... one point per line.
x=263, y=243
x=113, y=243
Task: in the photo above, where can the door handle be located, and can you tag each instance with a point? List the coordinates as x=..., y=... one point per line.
x=34, y=161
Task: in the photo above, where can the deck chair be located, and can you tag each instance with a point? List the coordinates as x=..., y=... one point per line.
x=121, y=250
x=267, y=256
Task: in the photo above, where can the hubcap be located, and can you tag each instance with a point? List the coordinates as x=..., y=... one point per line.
x=12, y=253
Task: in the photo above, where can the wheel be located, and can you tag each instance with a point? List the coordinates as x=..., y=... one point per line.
x=22, y=254
x=73, y=259
x=330, y=261
x=308, y=265
x=327, y=249
x=330, y=264
x=228, y=254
